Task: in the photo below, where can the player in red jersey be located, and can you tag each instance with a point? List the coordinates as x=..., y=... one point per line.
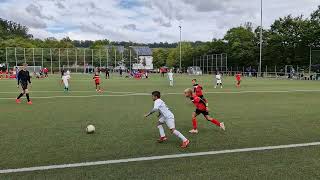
x=238, y=79
x=201, y=108
x=1, y=74
x=197, y=89
x=96, y=78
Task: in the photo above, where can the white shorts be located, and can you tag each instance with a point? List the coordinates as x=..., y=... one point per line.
x=169, y=122
x=219, y=81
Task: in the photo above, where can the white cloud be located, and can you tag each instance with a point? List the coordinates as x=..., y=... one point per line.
x=145, y=20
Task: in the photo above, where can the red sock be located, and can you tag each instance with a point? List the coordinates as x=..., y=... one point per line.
x=216, y=122
x=194, y=123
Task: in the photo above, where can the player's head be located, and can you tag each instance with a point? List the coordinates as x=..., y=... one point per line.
x=156, y=95
x=194, y=81
x=24, y=66
x=188, y=92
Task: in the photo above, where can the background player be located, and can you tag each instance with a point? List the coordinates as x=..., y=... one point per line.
x=65, y=80
x=170, y=77
x=165, y=117
x=23, y=80
x=97, y=81
x=201, y=108
x=219, y=80
x=238, y=79
x=197, y=89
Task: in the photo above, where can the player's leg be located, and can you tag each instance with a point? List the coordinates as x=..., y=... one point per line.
x=18, y=101
x=214, y=121
x=171, y=125
x=28, y=96
x=194, y=129
x=161, y=130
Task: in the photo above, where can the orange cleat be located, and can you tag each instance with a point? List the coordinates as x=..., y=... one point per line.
x=162, y=139
x=30, y=102
x=18, y=101
x=185, y=144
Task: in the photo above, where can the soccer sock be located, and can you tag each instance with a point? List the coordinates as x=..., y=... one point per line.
x=28, y=98
x=179, y=135
x=20, y=96
x=194, y=123
x=161, y=131
x=214, y=121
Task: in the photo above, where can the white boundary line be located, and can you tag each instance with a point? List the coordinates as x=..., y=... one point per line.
x=124, y=94
x=150, y=158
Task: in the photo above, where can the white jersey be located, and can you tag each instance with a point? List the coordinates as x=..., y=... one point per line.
x=65, y=79
x=218, y=77
x=170, y=76
x=161, y=106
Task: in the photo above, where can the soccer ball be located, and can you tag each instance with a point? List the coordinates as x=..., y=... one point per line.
x=90, y=129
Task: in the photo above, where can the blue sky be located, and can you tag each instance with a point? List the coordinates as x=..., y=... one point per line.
x=145, y=20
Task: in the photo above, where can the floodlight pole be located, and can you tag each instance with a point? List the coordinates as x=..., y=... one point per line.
x=180, y=66
x=260, y=63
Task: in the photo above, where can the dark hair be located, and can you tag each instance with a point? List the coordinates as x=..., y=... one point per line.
x=156, y=94
x=195, y=80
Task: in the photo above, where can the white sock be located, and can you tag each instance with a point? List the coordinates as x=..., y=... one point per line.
x=179, y=135
x=161, y=131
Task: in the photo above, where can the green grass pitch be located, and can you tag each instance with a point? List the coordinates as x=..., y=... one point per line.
x=52, y=130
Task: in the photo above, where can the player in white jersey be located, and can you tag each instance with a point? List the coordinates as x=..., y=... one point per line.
x=165, y=117
x=170, y=77
x=65, y=80
x=219, y=80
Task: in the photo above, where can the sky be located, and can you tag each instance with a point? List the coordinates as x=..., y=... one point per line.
x=145, y=20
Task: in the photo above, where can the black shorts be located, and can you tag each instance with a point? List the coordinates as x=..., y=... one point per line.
x=198, y=111
x=24, y=86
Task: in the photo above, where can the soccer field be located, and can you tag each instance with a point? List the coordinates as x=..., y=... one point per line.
x=262, y=113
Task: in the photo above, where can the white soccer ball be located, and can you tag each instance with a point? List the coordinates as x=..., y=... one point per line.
x=90, y=129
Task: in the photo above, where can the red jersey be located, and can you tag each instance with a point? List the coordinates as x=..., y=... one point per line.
x=96, y=79
x=238, y=77
x=199, y=103
x=197, y=89
x=1, y=72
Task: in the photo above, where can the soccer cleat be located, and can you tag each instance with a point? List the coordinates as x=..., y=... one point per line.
x=194, y=131
x=18, y=101
x=185, y=144
x=162, y=139
x=222, y=126
x=30, y=102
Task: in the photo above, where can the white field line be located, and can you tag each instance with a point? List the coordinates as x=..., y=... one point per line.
x=150, y=158
x=125, y=94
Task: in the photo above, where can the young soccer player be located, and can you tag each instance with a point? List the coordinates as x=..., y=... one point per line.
x=197, y=89
x=201, y=108
x=170, y=77
x=238, y=79
x=65, y=80
x=23, y=81
x=219, y=80
x=96, y=78
x=107, y=74
x=165, y=117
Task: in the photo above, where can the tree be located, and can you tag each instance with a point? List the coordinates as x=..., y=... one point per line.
x=160, y=56
x=241, y=46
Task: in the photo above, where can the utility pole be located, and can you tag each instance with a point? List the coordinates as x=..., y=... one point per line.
x=180, y=68
x=260, y=63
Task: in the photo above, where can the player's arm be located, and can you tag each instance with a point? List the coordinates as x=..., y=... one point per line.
x=28, y=78
x=155, y=109
x=19, y=78
x=151, y=112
